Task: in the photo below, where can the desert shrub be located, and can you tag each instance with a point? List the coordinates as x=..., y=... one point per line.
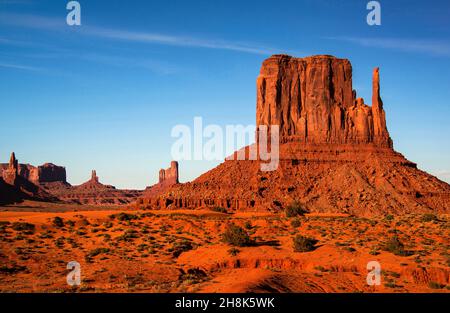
x=294, y=209
x=84, y=222
x=296, y=223
x=60, y=242
x=180, y=247
x=25, y=227
x=395, y=246
x=97, y=251
x=389, y=217
x=128, y=235
x=429, y=217
x=435, y=285
x=304, y=244
x=390, y=284
x=374, y=251
x=233, y=251
x=107, y=224
x=236, y=236
x=124, y=216
x=192, y=276
x=219, y=209
x=134, y=280
x=12, y=269
x=248, y=225
x=58, y=221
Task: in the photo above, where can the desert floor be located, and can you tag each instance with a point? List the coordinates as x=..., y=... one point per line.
x=122, y=250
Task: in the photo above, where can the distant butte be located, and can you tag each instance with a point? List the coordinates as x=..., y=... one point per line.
x=93, y=192
x=336, y=154
x=167, y=178
x=15, y=185
x=47, y=182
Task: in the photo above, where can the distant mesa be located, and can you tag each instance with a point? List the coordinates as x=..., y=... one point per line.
x=93, y=192
x=48, y=183
x=336, y=154
x=45, y=173
x=15, y=185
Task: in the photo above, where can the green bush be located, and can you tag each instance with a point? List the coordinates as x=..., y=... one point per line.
x=296, y=223
x=295, y=209
x=124, y=216
x=219, y=209
x=429, y=217
x=395, y=246
x=97, y=251
x=128, y=235
x=180, y=247
x=21, y=226
x=236, y=236
x=233, y=251
x=13, y=269
x=435, y=285
x=58, y=222
x=304, y=244
x=389, y=217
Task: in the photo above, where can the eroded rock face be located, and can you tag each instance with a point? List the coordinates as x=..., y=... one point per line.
x=15, y=185
x=313, y=101
x=50, y=172
x=169, y=176
x=11, y=174
x=45, y=173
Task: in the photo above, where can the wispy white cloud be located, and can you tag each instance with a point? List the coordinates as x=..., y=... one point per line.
x=155, y=66
x=20, y=67
x=432, y=47
x=58, y=24
x=146, y=37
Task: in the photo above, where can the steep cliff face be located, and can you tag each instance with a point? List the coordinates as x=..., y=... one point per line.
x=313, y=101
x=11, y=174
x=46, y=173
x=15, y=185
x=49, y=172
x=169, y=176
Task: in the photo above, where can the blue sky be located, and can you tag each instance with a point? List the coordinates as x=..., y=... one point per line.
x=105, y=95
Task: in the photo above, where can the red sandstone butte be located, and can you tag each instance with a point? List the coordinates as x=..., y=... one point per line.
x=167, y=178
x=14, y=187
x=93, y=192
x=313, y=101
x=47, y=182
x=336, y=155
x=46, y=173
